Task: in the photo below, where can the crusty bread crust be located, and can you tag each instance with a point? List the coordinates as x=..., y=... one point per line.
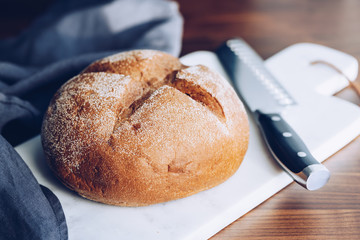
x=139, y=128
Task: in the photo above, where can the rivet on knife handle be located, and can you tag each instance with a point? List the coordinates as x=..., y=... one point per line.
x=266, y=98
x=290, y=152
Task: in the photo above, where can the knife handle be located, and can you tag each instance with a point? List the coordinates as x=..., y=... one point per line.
x=291, y=152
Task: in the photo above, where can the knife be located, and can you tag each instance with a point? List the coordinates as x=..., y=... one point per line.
x=265, y=98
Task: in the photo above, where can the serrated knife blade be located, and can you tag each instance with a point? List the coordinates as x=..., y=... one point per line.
x=266, y=98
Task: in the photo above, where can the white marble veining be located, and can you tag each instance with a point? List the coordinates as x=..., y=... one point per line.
x=258, y=178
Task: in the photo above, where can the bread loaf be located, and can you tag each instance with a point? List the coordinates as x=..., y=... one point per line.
x=139, y=128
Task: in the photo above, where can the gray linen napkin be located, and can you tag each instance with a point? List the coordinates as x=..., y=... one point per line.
x=33, y=65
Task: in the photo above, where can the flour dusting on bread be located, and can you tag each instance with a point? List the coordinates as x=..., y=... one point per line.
x=139, y=128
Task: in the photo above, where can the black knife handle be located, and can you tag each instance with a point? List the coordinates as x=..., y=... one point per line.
x=284, y=143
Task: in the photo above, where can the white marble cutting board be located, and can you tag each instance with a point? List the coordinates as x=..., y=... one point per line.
x=325, y=123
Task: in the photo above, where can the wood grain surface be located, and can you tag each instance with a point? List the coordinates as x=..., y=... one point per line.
x=332, y=212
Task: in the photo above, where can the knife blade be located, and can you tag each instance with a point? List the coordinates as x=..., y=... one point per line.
x=266, y=98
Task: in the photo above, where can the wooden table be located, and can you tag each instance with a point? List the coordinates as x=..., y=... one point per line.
x=332, y=212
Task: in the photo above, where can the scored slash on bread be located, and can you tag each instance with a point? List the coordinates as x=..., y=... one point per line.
x=139, y=128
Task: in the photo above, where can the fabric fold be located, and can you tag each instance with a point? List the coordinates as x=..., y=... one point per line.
x=57, y=46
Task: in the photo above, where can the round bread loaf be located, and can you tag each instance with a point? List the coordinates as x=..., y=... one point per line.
x=139, y=128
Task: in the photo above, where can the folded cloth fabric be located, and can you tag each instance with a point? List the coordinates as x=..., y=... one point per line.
x=62, y=42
